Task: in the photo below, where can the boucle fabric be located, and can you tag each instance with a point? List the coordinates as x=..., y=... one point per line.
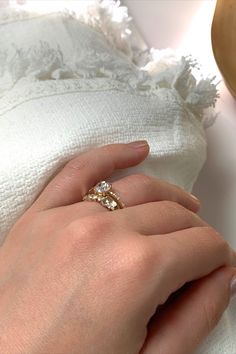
x=72, y=77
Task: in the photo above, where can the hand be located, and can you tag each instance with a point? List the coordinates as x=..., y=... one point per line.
x=76, y=278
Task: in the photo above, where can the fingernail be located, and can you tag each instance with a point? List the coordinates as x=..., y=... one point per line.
x=140, y=144
x=233, y=287
x=194, y=198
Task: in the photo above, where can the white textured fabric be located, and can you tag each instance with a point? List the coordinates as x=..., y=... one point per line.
x=73, y=80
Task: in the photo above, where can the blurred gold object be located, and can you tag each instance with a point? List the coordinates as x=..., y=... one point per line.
x=223, y=35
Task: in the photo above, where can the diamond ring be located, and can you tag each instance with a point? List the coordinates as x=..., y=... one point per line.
x=104, y=195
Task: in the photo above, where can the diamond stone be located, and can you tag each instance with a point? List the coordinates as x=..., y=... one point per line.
x=109, y=203
x=102, y=187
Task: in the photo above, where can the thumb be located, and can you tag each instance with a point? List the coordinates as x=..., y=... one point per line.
x=200, y=306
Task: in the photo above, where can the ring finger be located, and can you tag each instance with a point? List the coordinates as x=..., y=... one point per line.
x=141, y=189
x=138, y=189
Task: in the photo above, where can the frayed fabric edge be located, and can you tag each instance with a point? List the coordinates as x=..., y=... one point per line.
x=169, y=70
x=158, y=68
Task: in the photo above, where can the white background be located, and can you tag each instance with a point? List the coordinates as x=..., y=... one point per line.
x=185, y=25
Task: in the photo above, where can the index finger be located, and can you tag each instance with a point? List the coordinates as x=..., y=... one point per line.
x=83, y=172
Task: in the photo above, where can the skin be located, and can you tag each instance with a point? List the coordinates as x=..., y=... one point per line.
x=76, y=278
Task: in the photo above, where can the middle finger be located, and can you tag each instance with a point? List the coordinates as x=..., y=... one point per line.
x=157, y=218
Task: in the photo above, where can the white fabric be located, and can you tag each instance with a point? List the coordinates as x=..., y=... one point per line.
x=73, y=80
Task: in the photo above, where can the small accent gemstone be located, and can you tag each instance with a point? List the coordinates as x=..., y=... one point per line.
x=109, y=203
x=102, y=187
x=90, y=197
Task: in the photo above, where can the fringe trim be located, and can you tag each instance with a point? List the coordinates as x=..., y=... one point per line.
x=170, y=71
x=161, y=68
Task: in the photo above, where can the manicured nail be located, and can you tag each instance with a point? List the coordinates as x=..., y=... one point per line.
x=195, y=198
x=140, y=144
x=233, y=287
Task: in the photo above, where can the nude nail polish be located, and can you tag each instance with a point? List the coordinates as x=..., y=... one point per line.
x=195, y=198
x=141, y=144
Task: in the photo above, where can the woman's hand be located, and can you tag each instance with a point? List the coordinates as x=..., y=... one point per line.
x=76, y=278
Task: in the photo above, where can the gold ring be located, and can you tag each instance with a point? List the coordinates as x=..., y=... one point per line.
x=104, y=195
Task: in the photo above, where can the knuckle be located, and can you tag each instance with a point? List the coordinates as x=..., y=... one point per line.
x=81, y=238
x=214, y=235
x=165, y=254
x=211, y=232
x=143, y=179
x=74, y=232
x=97, y=224
x=191, y=218
x=141, y=259
x=222, y=248
x=76, y=164
x=109, y=148
x=102, y=223
x=88, y=228
x=172, y=206
x=107, y=151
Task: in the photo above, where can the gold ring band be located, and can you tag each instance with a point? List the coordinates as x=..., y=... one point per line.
x=104, y=195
